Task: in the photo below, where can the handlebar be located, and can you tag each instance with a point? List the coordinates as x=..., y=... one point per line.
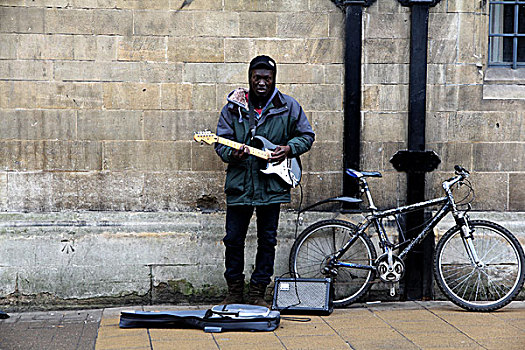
x=461, y=173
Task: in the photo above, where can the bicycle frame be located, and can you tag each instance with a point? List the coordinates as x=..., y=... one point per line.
x=448, y=205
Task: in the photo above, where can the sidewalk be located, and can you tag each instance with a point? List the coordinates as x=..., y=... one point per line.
x=399, y=325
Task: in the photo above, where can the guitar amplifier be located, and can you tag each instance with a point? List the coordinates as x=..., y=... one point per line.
x=303, y=296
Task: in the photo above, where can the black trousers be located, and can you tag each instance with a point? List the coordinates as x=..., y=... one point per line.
x=237, y=222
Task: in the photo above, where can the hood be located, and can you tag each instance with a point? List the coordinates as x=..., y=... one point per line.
x=238, y=97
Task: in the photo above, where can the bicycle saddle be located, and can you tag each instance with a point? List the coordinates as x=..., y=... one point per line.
x=358, y=174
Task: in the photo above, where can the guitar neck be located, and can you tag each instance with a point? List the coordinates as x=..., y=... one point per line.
x=253, y=151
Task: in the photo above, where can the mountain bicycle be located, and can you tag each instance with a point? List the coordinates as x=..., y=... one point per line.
x=478, y=264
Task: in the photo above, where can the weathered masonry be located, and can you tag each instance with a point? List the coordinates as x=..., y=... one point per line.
x=105, y=198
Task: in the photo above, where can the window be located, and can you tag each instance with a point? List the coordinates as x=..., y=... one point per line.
x=507, y=33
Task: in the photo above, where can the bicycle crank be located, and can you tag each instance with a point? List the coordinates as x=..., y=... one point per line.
x=390, y=268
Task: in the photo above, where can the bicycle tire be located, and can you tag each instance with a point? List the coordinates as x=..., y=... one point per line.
x=485, y=288
x=321, y=240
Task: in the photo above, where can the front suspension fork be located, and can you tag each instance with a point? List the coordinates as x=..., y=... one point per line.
x=468, y=239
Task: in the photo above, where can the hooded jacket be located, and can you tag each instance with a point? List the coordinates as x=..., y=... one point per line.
x=281, y=122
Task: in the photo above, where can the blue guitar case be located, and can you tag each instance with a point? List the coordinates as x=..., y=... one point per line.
x=220, y=318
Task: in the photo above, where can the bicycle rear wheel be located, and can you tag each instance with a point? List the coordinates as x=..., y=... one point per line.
x=480, y=288
x=318, y=243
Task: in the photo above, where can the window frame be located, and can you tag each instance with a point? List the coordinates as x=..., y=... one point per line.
x=514, y=64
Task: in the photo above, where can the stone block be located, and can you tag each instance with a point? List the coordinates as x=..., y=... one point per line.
x=463, y=6
x=320, y=185
x=464, y=74
x=120, y=279
x=437, y=126
x=113, y=22
x=45, y=3
x=485, y=126
x=384, y=127
x=272, y=6
x=315, y=5
x=21, y=20
x=147, y=155
x=302, y=25
x=3, y=191
x=223, y=90
x=324, y=156
x=176, y=96
x=503, y=92
x=184, y=190
x=372, y=155
x=324, y=50
x=196, y=50
x=42, y=95
x=238, y=50
x=389, y=191
x=316, y=97
x=516, y=192
x=50, y=155
x=216, y=23
x=24, y=124
x=170, y=23
x=93, y=3
x=215, y=73
x=452, y=153
x=131, y=96
x=9, y=47
x=25, y=70
x=334, y=74
x=258, y=24
x=174, y=125
x=387, y=25
x=69, y=21
x=109, y=125
x=142, y=48
x=143, y=5
x=443, y=25
x=472, y=36
x=39, y=46
x=204, y=158
x=106, y=49
x=385, y=73
x=491, y=190
x=497, y=157
x=299, y=74
x=336, y=24
x=442, y=97
x=207, y=5
x=203, y=97
x=442, y=51
x=289, y=50
x=398, y=50
x=393, y=97
x=437, y=74
x=328, y=126
x=475, y=98
x=146, y=72
x=113, y=191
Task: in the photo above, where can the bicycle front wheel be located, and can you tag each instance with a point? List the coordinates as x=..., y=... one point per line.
x=489, y=285
x=318, y=243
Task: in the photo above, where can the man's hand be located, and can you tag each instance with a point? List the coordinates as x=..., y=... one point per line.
x=241, y=153
x=279, y=154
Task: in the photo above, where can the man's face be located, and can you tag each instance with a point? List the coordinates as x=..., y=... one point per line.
x=261, y=82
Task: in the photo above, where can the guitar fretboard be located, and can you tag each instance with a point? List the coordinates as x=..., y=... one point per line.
x=253, y=151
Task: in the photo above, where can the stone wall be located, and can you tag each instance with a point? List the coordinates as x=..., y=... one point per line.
x=466, y=124
x=104, y=196
x=100, y=99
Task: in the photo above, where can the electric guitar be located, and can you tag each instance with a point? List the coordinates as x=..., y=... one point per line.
x=288, y=170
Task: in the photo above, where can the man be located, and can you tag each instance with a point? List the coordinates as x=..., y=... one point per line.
x=281, y=120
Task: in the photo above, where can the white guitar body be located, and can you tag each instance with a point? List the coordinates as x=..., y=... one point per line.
x=288, y=170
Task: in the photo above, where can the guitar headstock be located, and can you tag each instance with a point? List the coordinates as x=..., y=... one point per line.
x=205, y=136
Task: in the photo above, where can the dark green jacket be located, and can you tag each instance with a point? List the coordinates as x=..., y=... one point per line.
x=282, y=122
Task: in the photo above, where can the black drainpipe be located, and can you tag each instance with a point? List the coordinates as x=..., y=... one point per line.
x=352, y=95
x=416, y=161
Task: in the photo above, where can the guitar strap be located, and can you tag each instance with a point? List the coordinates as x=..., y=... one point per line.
x=251, y=111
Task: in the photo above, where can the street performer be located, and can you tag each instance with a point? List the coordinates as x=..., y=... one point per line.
x=263, y=111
